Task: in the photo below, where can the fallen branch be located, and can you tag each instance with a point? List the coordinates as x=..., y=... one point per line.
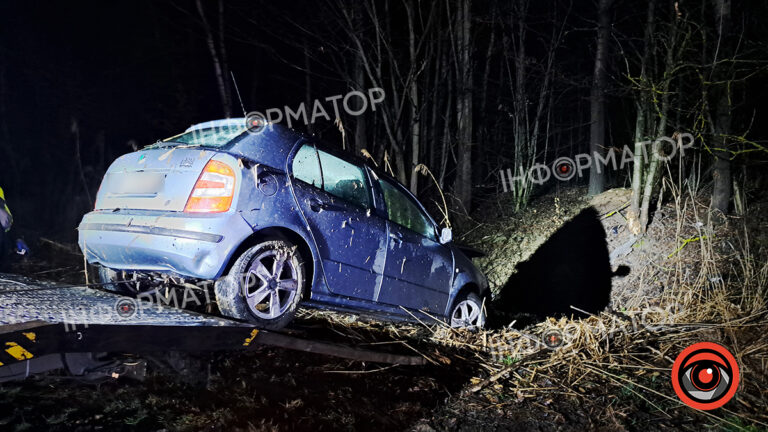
x=59, y=246
x=685, y=242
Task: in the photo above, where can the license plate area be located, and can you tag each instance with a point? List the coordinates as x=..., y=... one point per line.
x=136, y=183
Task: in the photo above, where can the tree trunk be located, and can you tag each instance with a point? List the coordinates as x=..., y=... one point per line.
x=721, y=194
x=360, y=124
x=447, y=141
x=483, y=132
x=597, y=98
x=413, y=95
x=650, y=179
x=434, y=132
x=226, y=74
x=463, y=182
x=308, y=90
x=633, y=214
x=218, y=67
x=662, y=113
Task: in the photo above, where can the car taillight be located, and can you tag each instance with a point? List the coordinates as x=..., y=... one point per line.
x=214, y=189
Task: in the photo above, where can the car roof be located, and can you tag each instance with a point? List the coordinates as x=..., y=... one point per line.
x=321, y=144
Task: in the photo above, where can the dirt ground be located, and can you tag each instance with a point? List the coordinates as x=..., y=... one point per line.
x=263, y=389
x=269, y=389
x=616, y=376
x=601, y=381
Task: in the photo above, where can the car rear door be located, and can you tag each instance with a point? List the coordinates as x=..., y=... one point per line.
x=418, y=269
x=335, y=198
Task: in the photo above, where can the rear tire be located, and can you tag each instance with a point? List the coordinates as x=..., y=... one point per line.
x=264, y=286
x=117, y=281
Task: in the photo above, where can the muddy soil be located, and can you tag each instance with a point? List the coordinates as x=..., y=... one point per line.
x=264, y=390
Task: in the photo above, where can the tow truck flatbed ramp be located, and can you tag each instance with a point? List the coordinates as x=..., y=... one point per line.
x=42, y=321
x=23, y=300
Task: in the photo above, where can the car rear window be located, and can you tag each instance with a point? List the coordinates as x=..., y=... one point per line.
x=344, y=180
x=214, y=137
x=306, y=167
x=332, y=174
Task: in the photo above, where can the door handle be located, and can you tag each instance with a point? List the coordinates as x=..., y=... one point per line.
x=316, y=204
x=396, y=236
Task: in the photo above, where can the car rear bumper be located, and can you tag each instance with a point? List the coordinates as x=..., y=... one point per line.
x=186, y=244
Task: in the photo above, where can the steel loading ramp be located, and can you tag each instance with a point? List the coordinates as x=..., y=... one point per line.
x=40, y=322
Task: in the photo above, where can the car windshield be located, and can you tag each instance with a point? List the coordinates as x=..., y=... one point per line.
x=214, y=137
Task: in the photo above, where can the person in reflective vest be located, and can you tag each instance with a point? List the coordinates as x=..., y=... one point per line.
x=6, y=219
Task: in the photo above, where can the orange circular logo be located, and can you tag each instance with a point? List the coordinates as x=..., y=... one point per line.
x=705, y=376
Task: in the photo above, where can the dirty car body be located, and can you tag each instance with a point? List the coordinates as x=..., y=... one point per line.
x=190, y=206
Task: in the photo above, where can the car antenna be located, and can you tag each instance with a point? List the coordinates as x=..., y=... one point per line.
x=245, y=114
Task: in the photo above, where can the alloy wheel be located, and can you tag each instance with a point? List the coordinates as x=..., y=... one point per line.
x=271, y=284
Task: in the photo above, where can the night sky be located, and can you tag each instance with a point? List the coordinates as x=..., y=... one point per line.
x=134, y=70
x=140, y=71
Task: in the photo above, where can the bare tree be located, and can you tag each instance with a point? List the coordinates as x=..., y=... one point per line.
x=218, y=55
x=661, y=111
x=413, y=94
x=597, y=96
x=652, y=99
x=361, y=130
x=463, y=182
x=530, y=83
x=721, y=128
x=642, y=102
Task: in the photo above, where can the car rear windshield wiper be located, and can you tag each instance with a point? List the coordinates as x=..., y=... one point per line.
x=165, y=144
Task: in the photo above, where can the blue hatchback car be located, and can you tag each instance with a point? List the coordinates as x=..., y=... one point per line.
x=276, y=219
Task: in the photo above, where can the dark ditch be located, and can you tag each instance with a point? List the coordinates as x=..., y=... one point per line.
x=570, y=270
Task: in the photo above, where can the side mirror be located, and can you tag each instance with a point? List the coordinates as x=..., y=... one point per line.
x=446, y=236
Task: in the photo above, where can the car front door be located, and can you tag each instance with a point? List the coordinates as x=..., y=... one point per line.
x=335, y=198
x=418, y=268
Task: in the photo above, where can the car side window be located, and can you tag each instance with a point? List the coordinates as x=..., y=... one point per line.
x=306, y=167
x=345, y=180
x=337, y=176
x=403, y=211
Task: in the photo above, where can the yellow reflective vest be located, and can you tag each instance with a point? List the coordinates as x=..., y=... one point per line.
x=2, y=197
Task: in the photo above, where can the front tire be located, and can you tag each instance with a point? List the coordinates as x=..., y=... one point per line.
x=264, y=286
x=468, y=312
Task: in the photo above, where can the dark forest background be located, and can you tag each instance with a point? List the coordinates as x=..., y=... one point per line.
x=473, y=87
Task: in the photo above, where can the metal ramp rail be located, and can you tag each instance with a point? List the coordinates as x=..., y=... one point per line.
x=45, y=326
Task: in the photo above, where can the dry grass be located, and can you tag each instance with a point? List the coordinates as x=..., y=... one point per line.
x=617, y=364
x=613, y=366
